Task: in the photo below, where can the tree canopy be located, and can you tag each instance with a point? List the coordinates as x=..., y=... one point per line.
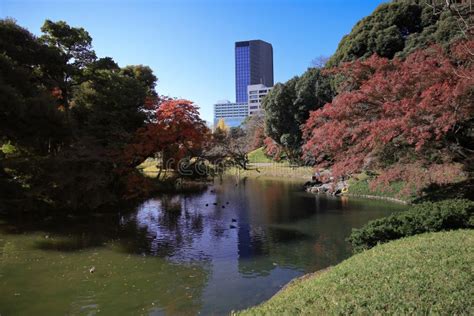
x=67, y=115
x=410, y=119
x=287, y=107
x=398, y=28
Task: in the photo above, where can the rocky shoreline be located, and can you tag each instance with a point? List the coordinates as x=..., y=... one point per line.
x=324, y=183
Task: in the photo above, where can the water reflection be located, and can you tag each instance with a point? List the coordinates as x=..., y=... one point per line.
x=228, y=247
x=255, y=234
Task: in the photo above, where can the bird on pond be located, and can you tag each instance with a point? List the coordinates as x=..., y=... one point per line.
x=214, y=203
x=92, y=270
x=207, y=204
x=234, y=220
x=223, y=206
x=232, y=227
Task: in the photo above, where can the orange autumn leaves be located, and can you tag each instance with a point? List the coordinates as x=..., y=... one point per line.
x=176, y=131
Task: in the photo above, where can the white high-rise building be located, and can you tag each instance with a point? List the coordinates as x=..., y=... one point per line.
x=232, y=113
x=255, y=93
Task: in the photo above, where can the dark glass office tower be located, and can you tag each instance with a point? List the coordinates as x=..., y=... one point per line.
x=253, y=65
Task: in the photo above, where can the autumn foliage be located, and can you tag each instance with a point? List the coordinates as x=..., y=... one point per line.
x=176, y=131
x=397, y=116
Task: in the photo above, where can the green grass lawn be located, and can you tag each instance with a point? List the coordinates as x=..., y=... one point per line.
x=359, y=185
x=275, y=170
x=258, y=156
x=424, y=274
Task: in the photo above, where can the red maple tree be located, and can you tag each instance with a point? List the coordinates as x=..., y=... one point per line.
x=394, y=114
x=176, y=131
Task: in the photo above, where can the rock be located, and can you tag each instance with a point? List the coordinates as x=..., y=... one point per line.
x=312, y=183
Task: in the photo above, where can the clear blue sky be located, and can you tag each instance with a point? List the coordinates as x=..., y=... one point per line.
x=189, y=44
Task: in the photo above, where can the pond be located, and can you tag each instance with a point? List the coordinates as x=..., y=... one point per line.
x=232, y=245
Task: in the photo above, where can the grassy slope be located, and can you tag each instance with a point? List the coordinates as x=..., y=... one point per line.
x=429, y=273
x=258, y=156
x=360, y=186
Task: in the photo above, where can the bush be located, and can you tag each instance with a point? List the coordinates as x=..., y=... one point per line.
x=420, y=275
x=420, y=218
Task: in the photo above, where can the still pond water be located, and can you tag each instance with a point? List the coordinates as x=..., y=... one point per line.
x=228, y=247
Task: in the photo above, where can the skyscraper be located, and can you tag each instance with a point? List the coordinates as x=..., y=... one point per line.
x=253, y=65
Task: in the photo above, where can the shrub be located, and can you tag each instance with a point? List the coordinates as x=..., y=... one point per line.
x=420, y=218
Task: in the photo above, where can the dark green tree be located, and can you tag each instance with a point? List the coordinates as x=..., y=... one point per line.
x=28, y=114
x=108, y=109
x=399, y=28
x=288, y=105
x=74, y=45
x=144, y=75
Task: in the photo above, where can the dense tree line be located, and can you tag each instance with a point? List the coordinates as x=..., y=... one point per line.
x=322, y=118
x=398, y=28
x=68, y=118
x=411, y=119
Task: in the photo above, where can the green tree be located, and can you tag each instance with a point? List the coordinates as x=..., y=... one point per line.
x=109, y=108
x=144, y=75
x=28, y=113
x=74, y=45
x=399, y=28
x=288, y=105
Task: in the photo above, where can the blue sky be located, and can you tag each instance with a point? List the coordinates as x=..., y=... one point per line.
x=190, y=43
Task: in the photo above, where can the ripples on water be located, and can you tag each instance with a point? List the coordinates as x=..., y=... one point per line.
x=174, y=254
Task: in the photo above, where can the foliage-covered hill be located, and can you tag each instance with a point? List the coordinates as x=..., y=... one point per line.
x=398, y=28
x=394, y=29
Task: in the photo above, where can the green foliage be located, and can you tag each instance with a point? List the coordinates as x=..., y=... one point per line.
x=361, y=186
x=258, y=156
x=397, y=28
x=143, y=74
x=420, y=275
x=68, y=115
x=420, y=218
x=73, y=43
x=288, y=105
x=28, y=112
x=7, y=148
x=108, y=108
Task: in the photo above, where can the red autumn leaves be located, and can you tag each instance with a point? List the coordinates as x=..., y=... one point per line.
x=391, y=113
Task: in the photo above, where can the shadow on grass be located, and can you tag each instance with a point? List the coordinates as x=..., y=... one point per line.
x=460, y=190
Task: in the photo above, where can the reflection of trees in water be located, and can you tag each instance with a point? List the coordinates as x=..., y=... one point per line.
x=168, y=226
x=261, y=250
x=121, y=284
x=312, y=235
x=129, y=282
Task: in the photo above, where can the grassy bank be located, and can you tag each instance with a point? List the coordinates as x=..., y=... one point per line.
x=274, y=170
x=424, y=274
x=359, y=186
x=258, y=156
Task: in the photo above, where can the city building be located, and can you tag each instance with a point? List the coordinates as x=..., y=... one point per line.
x=232, y=113
x=255, y=94
x=253, y=65
x=253, y=80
